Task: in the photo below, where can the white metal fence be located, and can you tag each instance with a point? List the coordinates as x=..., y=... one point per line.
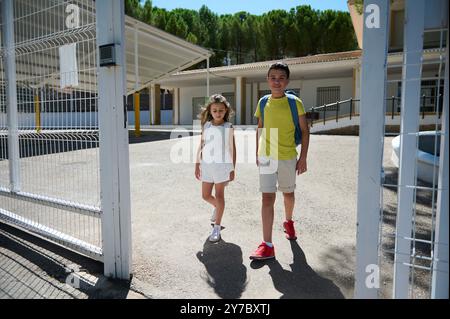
x=402, y=248
x=49, y=180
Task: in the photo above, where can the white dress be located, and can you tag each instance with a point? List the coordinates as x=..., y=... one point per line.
x=217, y=159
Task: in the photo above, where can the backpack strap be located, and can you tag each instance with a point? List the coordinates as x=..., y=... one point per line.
x=262, y=105
x=293, y=105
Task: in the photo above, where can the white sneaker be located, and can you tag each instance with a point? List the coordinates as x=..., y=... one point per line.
x=215, y=234
x=213, y=216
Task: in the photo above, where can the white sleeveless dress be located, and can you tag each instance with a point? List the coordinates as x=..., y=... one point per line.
x=217, y=159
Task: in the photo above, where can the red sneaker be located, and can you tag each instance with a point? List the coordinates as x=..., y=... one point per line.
x=289, y=230
x=263, y=252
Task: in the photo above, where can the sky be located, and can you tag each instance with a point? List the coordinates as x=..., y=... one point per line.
x=256, y=7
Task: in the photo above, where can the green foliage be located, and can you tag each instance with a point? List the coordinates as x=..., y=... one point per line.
x=249, y=38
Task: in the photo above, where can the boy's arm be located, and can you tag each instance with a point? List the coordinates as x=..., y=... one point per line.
x=258, y=131
x=301, y=163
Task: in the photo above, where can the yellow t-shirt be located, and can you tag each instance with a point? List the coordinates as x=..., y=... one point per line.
x=277, y=115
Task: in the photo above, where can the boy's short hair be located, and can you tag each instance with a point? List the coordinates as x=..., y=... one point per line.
x=279, y=66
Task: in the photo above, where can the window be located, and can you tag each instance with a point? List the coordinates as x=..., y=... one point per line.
x=429, y=89
x=197, y=104
x=328, y=95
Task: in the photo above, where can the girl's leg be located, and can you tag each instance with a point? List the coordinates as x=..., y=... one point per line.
x=220, y=201
x=207, y=193
x=289, y=201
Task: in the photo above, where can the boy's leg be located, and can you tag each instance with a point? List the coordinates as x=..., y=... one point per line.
x=220, y=201
x=267, y=214
x=289, y=202
x=286, y=181
x=207, y=193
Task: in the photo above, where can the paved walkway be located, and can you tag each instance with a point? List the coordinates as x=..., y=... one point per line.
x=170, y=223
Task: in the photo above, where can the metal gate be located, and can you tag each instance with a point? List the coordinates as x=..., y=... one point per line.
x=50, y=154
x=402, y=248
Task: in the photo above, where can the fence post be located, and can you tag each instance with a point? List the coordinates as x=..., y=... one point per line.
x=439, y=286
x=371, y=129
x=423, y=106
x=411, y=83
x=312, y=116
x=324, y=113
x=7, y=7
x=393, y=107
x=351, y=107
x=337, y=111
x=114, y=152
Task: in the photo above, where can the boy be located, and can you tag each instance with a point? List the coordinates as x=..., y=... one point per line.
x=277, y=156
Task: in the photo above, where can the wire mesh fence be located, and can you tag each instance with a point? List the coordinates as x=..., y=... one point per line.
x=56, y=81
x=424, y=208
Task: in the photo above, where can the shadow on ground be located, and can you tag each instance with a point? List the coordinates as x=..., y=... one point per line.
x=301, y=282
x=34, y=268
x=225, y=271
x=153, y=136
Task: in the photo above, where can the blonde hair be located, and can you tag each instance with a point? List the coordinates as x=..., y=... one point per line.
x=205, y=114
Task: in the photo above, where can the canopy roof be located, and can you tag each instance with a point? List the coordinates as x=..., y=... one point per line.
x=41, y=28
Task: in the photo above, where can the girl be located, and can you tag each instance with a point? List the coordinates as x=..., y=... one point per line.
x=216, y=156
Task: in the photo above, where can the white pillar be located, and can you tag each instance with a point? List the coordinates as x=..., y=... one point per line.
x=207, y=77
x=114, y=159
x=238, y=99
x=152, y=104
x=255, y=88
x=357, y=83
x=409, y=126
x=440, y=262
x=11, y=94
x=176, y=106
x=373, y=74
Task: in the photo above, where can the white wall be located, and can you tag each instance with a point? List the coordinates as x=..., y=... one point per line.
x=187, y=93
x=308, y=92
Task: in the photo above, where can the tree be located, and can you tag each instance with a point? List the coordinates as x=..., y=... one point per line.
x=146, y=14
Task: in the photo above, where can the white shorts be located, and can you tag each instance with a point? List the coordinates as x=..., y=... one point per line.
x=273, y=172
x=215, y=172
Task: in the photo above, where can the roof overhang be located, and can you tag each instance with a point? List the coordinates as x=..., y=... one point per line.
x=152, y=54
x=318, y=66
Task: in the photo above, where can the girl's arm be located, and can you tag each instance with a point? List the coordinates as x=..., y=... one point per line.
x=198, y=158
x=233, y=146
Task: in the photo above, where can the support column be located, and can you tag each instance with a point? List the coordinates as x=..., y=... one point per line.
x=240, y=99
x=207, y=78
x=356, y=87
x=176, y=106
x=156, y=104
x=137, y=114
x=136, y=95
x=409, y=126
x=37, y=111
x=114, y=153
x=373, y=75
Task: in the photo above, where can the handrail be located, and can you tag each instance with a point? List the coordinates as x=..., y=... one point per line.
x=436, y=99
